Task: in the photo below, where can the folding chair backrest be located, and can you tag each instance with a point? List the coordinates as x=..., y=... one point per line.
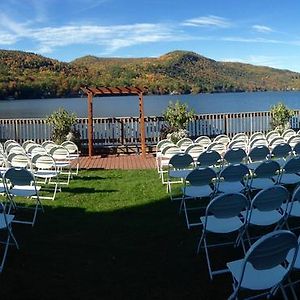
x=59, y=153
x=235, y=155
x=256, y=135
x=208, y=158
x=272, y=249
x=259, y=153
x=238, y=144
x=258, y=142
x=194, y=150
x=240, y=137
x=271, y=135
x=19, y=160
x=19, y=176
x=287, y=134
x=70, y=146
x=200, y=177
x=276, y=141
x=222, y=138
x=8, y=142
x=296, y=149
x=292, y=165
x=271, y=198
x=227, y=205
x=267, y=169
x=281, y=150
x=203, y=141
x=293, y=140
x=184, y=143
x=161, y=143
x=38, y=149
x=170, y=150
x=45, y=162
x=14, y=148
x=218, y=147
x=234, y=172
x=181, y=161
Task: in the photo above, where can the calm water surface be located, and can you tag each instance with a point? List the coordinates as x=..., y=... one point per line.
x=154, y=105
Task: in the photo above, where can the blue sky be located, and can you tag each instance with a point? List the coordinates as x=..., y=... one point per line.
x=261, y=32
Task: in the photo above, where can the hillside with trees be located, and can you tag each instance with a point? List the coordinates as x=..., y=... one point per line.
x=28, y=75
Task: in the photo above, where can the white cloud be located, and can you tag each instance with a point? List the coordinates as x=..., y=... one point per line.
x=262, y=28
x=209, y=21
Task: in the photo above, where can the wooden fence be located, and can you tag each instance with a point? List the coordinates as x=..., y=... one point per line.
x=124, y=131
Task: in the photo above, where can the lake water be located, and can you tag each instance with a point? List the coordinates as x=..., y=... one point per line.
x=154, y=105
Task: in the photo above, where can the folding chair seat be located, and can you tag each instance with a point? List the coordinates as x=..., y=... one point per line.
x=73, y=153
x=257, y=155
x=265, y=266
x=223, y=217
x=235, y=156
x=265, y=175
x=180, y=165
x=203, y=140
x=233, y=179
x=291, y=171
x=6, y=220
x=184, y=143
x=20, y=182
x=266, y=209
x=45, y=170
x=199, y=183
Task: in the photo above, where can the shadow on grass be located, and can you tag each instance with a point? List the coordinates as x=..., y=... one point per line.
x=139, y=252
x=85, y=190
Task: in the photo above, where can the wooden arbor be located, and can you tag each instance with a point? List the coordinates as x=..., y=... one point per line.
x=115, y=91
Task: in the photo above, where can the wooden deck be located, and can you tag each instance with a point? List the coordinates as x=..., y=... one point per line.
x=124, y=162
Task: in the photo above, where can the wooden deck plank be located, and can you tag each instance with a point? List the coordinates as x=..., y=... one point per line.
x=124, y=162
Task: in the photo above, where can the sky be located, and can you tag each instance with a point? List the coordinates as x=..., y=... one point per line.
x=260, y=32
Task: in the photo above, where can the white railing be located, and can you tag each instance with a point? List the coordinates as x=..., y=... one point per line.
x=125, y=130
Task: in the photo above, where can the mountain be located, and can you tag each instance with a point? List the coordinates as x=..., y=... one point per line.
x=28, y=75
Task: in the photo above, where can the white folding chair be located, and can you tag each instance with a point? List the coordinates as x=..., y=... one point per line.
x=223, y=218
x=199, y=184
x=6, y=220
x=45, y=169
x=20, y=182
x=265, y=265
x=73, y=154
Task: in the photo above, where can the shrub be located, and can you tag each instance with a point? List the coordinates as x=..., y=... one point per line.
x=177, y=116
x=62, y=125
x=281, y=116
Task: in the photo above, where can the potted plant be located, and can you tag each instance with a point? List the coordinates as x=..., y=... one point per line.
x=280, y=117
x=177, y=115
x=63, y=126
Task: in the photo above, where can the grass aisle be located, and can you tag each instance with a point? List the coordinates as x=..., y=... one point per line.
x=109, y=235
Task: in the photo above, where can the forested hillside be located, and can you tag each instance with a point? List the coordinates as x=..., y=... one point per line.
x=27, y=75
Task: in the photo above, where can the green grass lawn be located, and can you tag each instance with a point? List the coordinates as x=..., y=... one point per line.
x=110, y=235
